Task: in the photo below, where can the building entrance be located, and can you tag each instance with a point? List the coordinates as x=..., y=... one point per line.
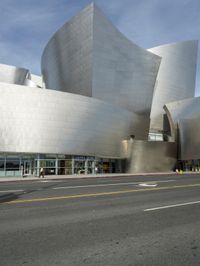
x=27, y=167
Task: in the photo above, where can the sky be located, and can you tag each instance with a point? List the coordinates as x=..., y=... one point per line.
x=27, y=25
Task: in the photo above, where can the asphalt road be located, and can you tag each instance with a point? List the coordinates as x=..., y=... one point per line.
x=149, y=220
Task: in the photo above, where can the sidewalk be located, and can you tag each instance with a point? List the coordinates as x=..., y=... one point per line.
x=56, y=177
x=80, y=176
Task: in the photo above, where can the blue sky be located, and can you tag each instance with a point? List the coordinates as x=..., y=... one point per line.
x=27, y=25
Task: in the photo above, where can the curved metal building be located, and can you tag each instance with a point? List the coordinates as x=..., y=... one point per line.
x=176, y=78
x=89, y=56
x=94, y=103
x=45, y=121
x=13, y=75
x=185, y=116
x=151, y=156
x=16, y=75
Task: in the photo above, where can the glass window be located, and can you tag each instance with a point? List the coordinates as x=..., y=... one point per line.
x=64, y=167
x=50, y=163
x=79, y=167
x=90, y=167
x=2, y=162
x=12, y=164
x=50, y=156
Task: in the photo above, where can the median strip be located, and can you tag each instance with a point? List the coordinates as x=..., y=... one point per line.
x=101, y=194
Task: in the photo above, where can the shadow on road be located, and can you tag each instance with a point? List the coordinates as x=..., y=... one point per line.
x=8, y=197
x=13, y=196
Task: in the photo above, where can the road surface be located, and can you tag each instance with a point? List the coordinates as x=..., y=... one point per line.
x=144, y=220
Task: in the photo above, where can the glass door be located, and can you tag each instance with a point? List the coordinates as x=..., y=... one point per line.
x=27, y=167
x=79, y=167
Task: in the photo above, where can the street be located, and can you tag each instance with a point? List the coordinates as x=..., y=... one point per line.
x=138, y=220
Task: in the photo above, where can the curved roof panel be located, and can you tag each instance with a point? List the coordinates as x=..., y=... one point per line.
x=176, y=77
x=89, y=56
x=13, y=75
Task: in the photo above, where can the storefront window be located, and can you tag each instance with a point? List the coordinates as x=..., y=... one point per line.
x=79, y=167
x=90, y=167
x=2, y=165
x=12, y=164
x=64, y=167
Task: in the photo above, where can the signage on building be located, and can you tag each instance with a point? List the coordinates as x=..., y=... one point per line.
x=83, y=158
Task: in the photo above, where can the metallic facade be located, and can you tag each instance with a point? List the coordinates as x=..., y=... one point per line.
x=118, y=65
x=189, y=138
x=151, y=156
x=89, y=56
x=95, y=98
x=66, y=62
x=13, y=75
x=185, y=118
x=44, y=121
x=176, y=77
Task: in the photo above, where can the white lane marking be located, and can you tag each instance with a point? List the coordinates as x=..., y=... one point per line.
x=9, y=191
x=147, y=185
x=172, y=206
x=50, y=181
x=46, y=181
x=87, y=186
x=112, y=184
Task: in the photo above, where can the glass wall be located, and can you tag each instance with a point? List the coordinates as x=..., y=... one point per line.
x=2, y=165
x=155, y=136
x=16, y=165
x=30, y=165
x=94, y=165
x=64, y=167
x=54, y=164
x=12, y=165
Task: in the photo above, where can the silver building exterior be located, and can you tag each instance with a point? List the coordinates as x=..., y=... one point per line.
x=92, y=106
x=90, y=57
x=176, y=77
x=185, y=121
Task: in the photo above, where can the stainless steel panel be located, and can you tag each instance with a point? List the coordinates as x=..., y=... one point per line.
x=185, y=115
x=89, y=56
x=67, y=59
x=46, y=121
x=151, y=156
x=123, y=73
x=176, y=77
x=189, y=138
x=13, y=75
x=37, y=80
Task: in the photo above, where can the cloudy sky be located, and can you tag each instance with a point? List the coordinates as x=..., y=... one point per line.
x=27, y=25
